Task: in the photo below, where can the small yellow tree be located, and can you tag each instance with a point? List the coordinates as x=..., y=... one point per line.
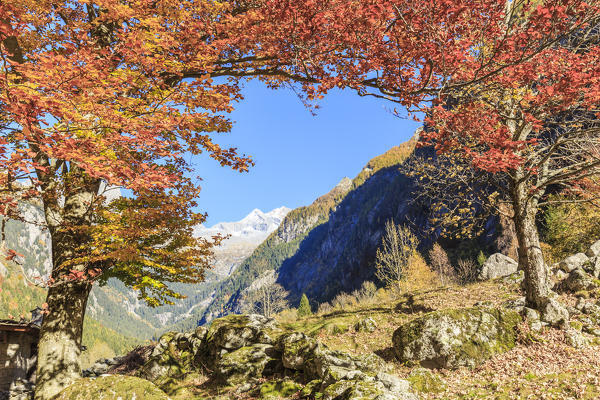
x=418, y=275
x=398, y=246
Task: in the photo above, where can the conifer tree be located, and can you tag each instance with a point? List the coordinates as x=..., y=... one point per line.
x=304, y=307
x=481, y=258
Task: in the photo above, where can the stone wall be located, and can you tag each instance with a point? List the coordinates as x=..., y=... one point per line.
x=18, y=351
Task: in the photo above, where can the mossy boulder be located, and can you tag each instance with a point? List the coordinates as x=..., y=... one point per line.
x=113, y=387
x=335, y=365
x=346, y=390
x=573, y=262
x=303, y=353
x=497, y=266
x=178, y=354
x=311, y=389
x=246, y=363
x=373, y=388
x=299, y=350
x=174, y=356
x=456, y=337
x=367, y=324
x=574, y=338
x=592, y=266
x=339, y=375
x=578, y=280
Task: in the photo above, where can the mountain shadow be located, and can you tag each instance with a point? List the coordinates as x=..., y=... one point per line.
x=329, y=247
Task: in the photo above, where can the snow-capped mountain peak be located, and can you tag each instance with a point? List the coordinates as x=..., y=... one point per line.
x=254, y=227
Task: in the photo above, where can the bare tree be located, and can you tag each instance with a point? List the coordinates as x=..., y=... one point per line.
x=265, y=297
x=466, y=271
x=398, y=246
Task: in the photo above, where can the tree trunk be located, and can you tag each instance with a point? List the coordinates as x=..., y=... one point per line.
x=531, y=260
x=60, y=339
x=59, y=348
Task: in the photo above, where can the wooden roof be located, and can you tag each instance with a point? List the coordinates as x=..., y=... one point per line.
x=16, y=326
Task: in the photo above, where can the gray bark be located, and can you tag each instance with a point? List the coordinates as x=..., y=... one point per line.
x=60, y=339
x=531, y=260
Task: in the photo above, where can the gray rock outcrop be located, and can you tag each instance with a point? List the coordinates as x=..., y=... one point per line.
x=592, y=266
x=100, y=367
x=367, y=324
x=247, y=363
x=497, y=266
x=573, y=262
x=576, y=281
x=554, y=313
x=576, y=339
x=594, y=250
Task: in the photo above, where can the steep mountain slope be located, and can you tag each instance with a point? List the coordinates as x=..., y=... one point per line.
x=292, y=239
x=329, y=247
x=280, y=245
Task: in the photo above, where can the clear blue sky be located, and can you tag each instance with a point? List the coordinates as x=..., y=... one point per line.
x=298, y=156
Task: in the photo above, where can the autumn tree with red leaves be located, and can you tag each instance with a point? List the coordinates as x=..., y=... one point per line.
x=511, y=87
x=533, y=124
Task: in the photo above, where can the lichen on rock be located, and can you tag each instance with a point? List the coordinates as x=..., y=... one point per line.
x=426, y=381
x=455, y=338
